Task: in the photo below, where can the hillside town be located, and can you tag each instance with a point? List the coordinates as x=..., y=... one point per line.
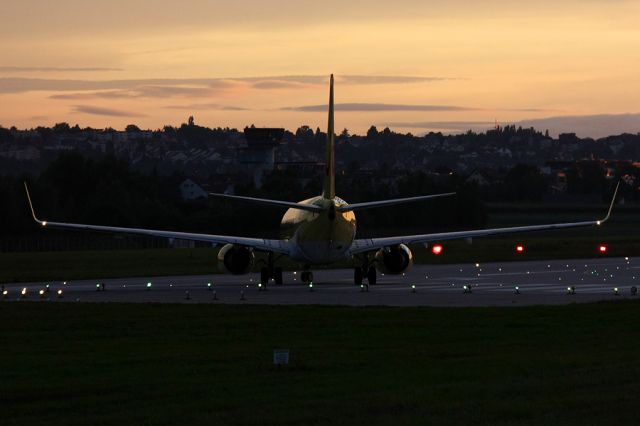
x=220, y=158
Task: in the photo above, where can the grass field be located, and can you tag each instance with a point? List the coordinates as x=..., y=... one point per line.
x=79, y=364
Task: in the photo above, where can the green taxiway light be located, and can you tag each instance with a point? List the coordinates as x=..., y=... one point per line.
x=149, y=285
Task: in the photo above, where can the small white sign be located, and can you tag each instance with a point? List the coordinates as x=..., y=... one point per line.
x=280, y=356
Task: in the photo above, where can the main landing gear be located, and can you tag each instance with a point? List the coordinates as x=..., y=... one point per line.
x=270, y=272
x=267, y=274
x=306, y=277
x=367, y=270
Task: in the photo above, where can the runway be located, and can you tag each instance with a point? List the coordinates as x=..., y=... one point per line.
x=491, y=284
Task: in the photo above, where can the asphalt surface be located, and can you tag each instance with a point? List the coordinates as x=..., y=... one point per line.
x=491, y=284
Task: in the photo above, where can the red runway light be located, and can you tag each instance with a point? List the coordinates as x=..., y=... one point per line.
x=603, y=248
x=437, y=249
x=520, y=248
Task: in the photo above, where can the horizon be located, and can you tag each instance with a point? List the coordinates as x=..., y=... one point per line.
x=410, y=66
x=461, y=131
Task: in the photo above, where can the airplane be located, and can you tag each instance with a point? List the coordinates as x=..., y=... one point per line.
x=321, y=230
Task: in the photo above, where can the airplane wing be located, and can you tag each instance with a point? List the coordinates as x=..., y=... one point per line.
x=278, y=246
x=371, y=204
x=288, y=204
x=363, y=245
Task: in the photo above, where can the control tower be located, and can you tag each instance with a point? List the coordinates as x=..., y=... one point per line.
x=259, y=154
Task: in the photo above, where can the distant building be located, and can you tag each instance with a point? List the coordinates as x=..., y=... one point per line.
x=192, y=191
x=568, y=138
x=258, y=156
x=478, y=177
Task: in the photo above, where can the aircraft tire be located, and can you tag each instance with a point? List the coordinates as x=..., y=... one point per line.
x=277, y=276
x=357, y=275
x=264, y=276
x=372, y=277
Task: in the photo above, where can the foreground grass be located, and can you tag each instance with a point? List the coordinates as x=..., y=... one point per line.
x=211, y=364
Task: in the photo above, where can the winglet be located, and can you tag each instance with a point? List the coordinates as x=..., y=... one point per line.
x=613, y=201
x=33, y=212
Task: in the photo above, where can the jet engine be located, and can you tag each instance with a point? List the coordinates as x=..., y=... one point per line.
x=394, y=260
x=236, y=260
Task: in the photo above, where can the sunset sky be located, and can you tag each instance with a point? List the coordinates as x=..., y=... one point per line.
x=408, y=64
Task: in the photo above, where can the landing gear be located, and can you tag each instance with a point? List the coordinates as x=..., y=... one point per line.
x=277, y=275
x=306, y=277
x=357, y=275
x=265, y=275
x=368, y=271
x=270, y=272
x=372, y=277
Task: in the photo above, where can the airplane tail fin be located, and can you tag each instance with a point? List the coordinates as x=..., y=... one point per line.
x=329, y=184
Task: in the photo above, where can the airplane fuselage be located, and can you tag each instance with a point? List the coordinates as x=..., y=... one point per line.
x=319, y=237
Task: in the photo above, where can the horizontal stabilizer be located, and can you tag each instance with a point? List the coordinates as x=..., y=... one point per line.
x=382, y=203
x=288, y=204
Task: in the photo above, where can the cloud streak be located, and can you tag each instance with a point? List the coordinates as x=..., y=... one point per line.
x=205, y=107
x=596, y=126
x=14, y=69
x=109, y=112
x=451, y=126
x=143, y=92
x=145, y=86
x=363, y=107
